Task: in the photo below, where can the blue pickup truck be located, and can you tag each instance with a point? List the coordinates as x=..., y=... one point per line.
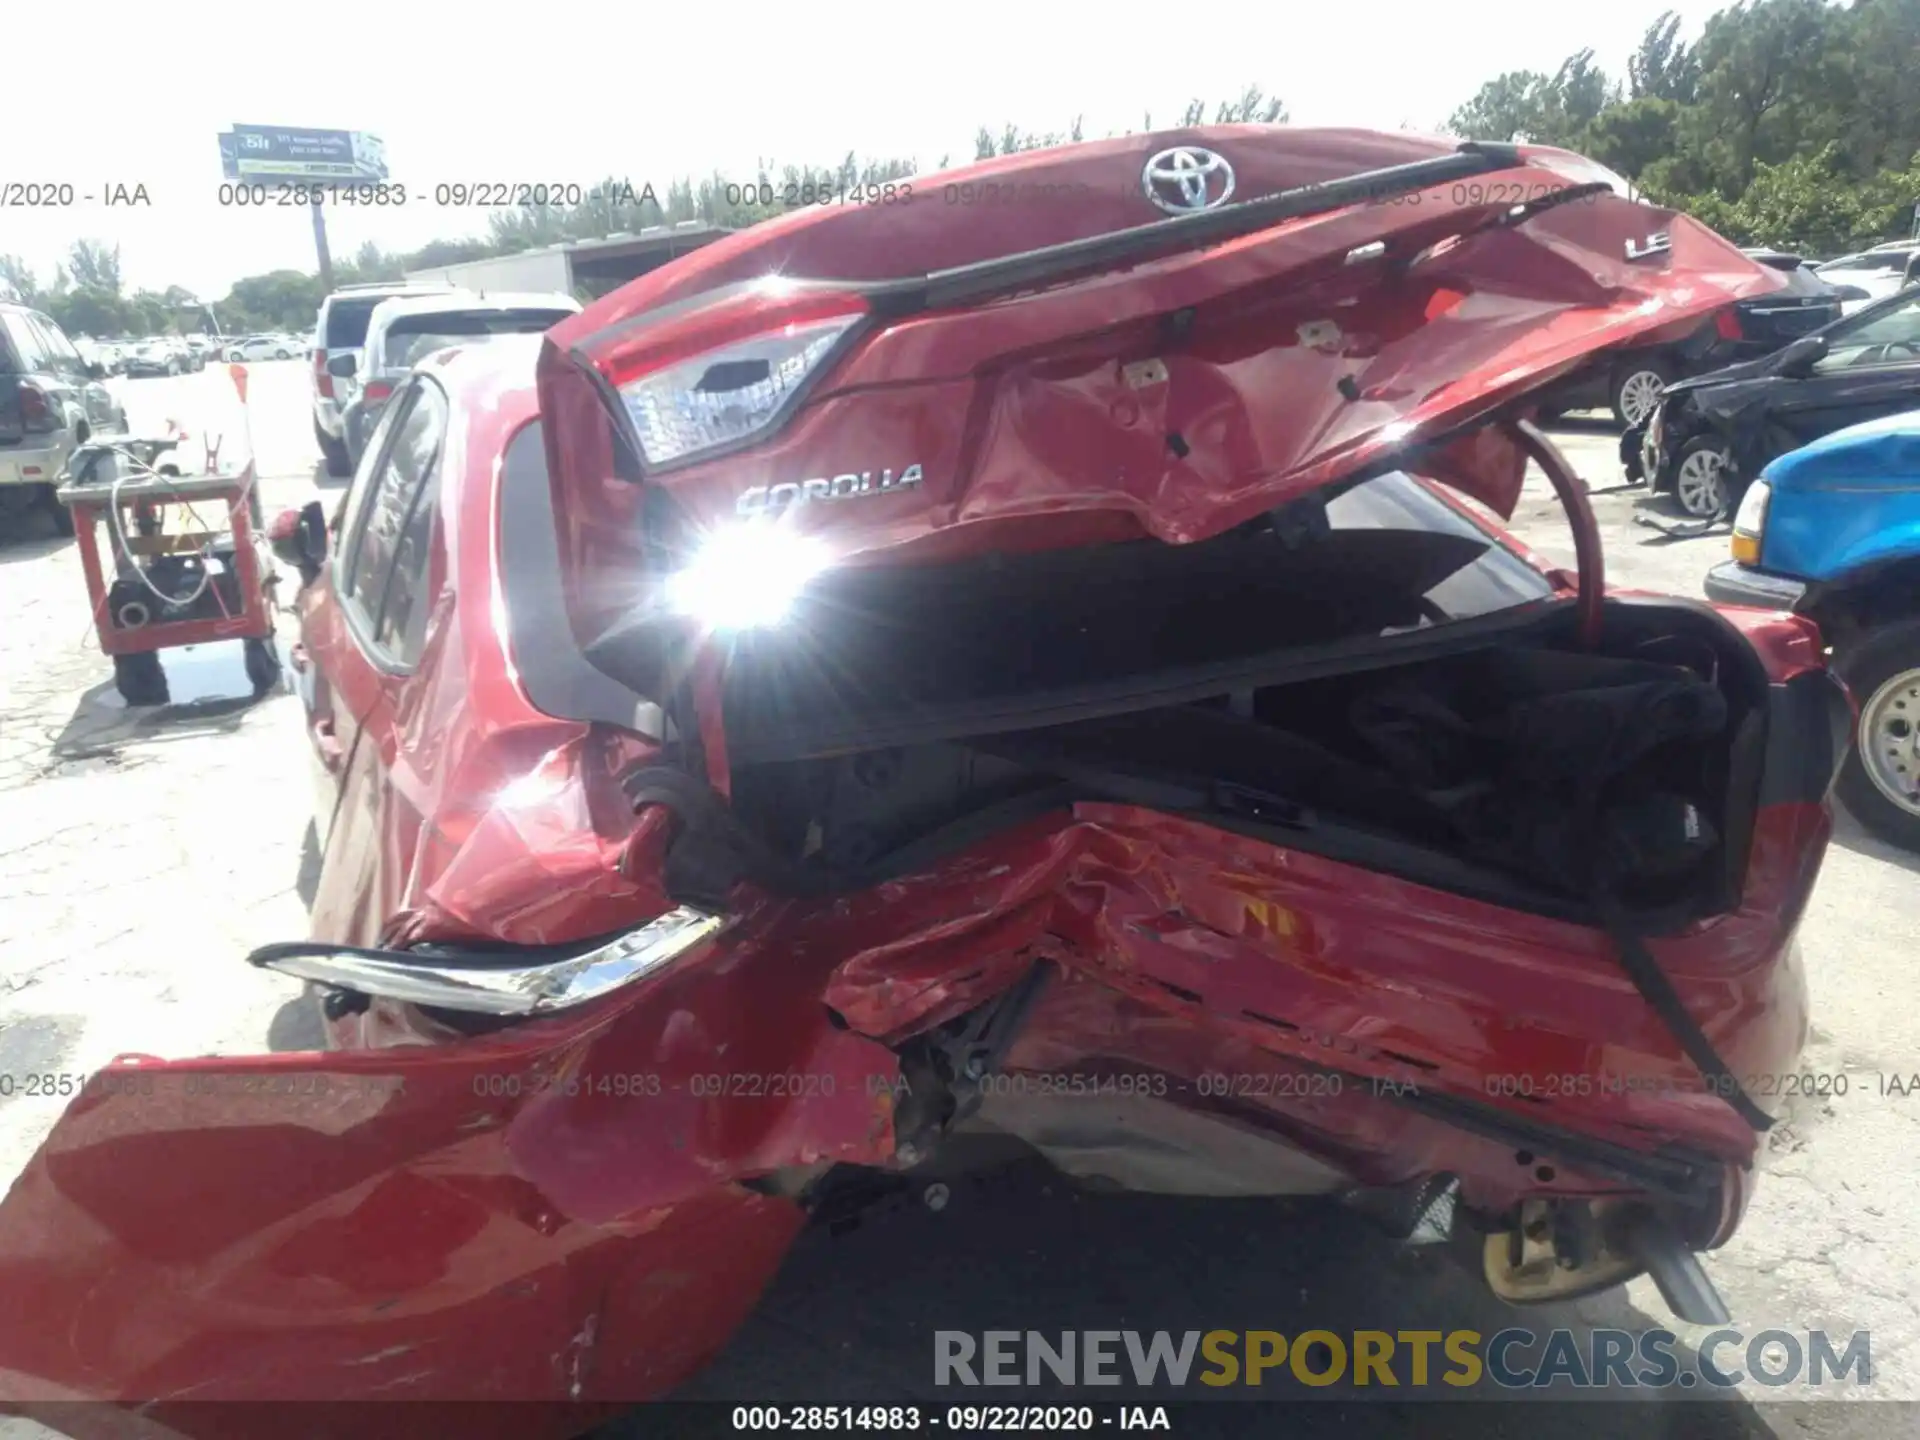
x=1832, y=531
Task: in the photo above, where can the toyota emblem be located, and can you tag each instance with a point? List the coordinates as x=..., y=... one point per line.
x=1187, y=179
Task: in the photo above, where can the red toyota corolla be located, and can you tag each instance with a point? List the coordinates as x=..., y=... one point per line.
x=1005, y=662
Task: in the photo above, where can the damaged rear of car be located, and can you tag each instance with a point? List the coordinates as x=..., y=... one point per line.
x=1060, y=694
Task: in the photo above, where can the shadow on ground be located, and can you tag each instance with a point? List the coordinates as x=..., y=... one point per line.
x=210, y=692
x=1850, y=834
x=851, y=1319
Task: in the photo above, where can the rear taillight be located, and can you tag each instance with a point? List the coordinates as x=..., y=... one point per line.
x=36, y=411
x=378, y=390
x=320, y=376
x=1727, y=325
x=726, y=373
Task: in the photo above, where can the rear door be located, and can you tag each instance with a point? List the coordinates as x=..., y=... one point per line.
x=1871, y=368
x=368, y=644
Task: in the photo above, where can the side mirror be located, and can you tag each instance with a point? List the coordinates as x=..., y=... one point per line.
x=299, y=537
x=1802, y=355
x=341, y=366
x=96, y=371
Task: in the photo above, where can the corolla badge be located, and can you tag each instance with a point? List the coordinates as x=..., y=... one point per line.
x=1186, y=179
x=849, y=486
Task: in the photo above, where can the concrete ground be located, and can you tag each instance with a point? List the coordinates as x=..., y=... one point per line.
x=142, y=853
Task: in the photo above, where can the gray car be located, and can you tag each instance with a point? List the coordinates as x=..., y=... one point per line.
x=50, y=402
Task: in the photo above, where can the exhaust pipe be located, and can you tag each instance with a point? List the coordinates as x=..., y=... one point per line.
x=1564, y=1249
x=132, y=615
x=1677, y=1273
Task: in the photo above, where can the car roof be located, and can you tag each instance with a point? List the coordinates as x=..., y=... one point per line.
x=379, y=292
x=470, y=301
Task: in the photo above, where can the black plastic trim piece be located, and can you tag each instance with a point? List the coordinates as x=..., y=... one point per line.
x=1809, y=732
x=1177, y=687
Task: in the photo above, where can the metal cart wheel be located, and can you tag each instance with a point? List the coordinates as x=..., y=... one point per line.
x=139, y=679
x=263, y=665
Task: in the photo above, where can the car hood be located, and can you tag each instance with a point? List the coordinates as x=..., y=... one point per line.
x=1732, y=383
x=1884, y=449
x=1053, y=360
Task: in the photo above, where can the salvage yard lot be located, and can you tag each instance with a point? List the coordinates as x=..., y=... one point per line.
x=143, y=854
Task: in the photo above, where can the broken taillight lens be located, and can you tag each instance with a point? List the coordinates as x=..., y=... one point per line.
x=726, y=373
x=36, y=411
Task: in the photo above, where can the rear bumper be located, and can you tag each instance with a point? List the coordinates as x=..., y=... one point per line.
x=1731, y=583
x=41, y=466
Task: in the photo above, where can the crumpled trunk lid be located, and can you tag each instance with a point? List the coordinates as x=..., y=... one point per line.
x=1040, y=393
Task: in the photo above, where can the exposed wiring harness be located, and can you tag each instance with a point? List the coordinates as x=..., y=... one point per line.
x=126, y=561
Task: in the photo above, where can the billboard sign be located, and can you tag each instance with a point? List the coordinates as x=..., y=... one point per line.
x=266, y=152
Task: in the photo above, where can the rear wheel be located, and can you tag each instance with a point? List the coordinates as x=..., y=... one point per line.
x=139, y=679
x=1636, y=389
x=263, y=664
x=339, y=464
x=1880, y=782
x=59, y=514
x=1700, y=477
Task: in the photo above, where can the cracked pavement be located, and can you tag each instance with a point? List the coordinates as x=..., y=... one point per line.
x=143, y=853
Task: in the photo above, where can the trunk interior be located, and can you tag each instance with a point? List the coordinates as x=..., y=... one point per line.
x=1328, y=704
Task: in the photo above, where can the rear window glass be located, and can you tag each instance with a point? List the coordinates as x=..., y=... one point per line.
x=411, y=340
x=20, y=351
x=347, y=321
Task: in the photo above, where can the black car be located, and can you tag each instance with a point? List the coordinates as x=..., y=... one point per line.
x=1629, y=382
x=1710, y=435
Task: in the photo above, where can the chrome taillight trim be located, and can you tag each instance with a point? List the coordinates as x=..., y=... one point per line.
x=484, y=986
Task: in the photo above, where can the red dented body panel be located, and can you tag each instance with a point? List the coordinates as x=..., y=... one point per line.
x=552, y=1214
x=579, y=1210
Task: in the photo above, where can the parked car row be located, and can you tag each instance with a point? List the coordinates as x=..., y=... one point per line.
x=156, y=355
x=1709, y=436
x=248, y=348
x=367, y=337
x=1629, y=380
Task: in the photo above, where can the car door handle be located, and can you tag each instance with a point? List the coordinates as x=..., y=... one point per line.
x=328, y=744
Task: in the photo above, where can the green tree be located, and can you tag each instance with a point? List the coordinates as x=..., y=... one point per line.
x=1663, y=68
x=19, y=276
x=91, y=310
x=1507, y=105
x=95, y=265
x=1789, y=122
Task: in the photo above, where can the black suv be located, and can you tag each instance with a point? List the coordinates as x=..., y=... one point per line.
x=1629, y=382
x=1711, y=435
x=50, y=402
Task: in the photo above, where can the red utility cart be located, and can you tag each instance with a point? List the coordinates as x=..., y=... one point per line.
x=179, y=567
